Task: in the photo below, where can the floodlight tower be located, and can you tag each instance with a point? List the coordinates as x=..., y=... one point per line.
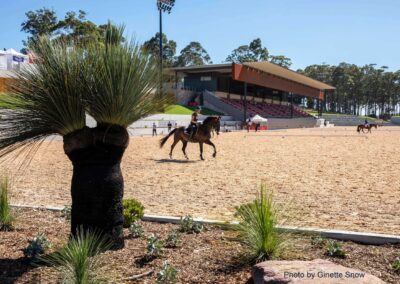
x=163, y=6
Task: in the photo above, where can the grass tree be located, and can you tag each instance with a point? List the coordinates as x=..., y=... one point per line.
x=114, y=83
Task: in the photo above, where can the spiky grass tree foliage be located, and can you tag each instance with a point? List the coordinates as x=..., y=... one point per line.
x=115, y=84
x=257, y=225
x=79, y=261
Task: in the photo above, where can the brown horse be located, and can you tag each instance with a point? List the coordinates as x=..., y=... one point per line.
x=202, y=135
x=368, y=128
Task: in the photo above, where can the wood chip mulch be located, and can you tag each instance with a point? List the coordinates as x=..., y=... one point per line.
x=213, y=256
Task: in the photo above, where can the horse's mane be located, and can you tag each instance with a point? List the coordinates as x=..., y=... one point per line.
x=208, y=119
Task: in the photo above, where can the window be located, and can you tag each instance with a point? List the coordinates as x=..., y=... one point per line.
x=205, y=78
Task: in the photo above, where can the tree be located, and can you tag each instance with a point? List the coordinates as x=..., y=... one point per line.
x=281, y=60
x=193, y=54
x=113, y=83
x=42, y=22
x=152, y=47
x=74, y=28
x=253, y=52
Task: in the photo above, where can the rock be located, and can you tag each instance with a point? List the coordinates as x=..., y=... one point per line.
x=317, y=271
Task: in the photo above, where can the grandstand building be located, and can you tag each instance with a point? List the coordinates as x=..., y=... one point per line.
x=246, y=89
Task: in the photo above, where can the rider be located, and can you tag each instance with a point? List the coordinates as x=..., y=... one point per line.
x=366, y=123
x=193, y=122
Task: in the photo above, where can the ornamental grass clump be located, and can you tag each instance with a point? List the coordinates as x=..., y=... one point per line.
x=257, y=222
x=79, y=260
x=6, y=217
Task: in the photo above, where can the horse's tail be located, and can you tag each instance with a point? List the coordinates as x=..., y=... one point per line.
x=358, y=129
x=163, y=140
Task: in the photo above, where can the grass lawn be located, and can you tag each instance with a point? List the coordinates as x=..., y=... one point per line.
x=179, y=109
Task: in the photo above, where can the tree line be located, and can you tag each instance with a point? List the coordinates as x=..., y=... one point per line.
x=367, y=89
x=360, y=90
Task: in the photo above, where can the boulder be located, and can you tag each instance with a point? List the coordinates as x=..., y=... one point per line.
x=316, y=271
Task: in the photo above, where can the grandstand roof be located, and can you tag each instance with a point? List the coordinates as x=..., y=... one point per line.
x=288, y=74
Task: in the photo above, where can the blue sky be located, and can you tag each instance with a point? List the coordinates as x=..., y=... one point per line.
x=307, y=31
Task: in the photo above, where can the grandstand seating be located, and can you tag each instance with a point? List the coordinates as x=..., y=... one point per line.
x=266, y=109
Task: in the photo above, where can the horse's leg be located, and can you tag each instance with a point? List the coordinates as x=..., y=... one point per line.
x=184, y=148
x=201, y=151
x=176, y=140
x=208, y=142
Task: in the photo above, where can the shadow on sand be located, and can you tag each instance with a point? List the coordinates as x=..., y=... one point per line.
x=174, y=161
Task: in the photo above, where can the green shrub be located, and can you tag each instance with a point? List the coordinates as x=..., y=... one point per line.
x=396, y=264
x=79, y=260
x=37, y=246
x=172, y=240
x=257, y=222
x=155, y=247
x=133, y=211
x=136, y=230
x=334, y=249
x=66, y=212
x=6, y=217
x=318, y=241
x=167, y=274
x=189, y=226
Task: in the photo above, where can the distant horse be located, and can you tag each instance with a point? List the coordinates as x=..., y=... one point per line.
x=202, y=135
x=368, y=127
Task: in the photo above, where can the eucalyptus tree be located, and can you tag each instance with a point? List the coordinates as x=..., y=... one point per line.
x=114, y=83
x=193, y=54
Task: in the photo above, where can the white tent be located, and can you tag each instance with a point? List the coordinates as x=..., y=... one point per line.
x=258, y=119
x=3, y=60
x=14, y=59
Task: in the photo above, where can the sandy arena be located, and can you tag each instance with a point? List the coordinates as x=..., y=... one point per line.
x=331, y=178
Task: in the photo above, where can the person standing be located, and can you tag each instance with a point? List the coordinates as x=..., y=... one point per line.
x=169, y=126
x=154, y=129
x=248, y=124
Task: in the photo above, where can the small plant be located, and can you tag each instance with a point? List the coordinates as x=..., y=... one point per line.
x=66, y=212
x=318, y=241
x=167, y=274
x=133, y=211
x=155, y=246
x=37, y=246
x=189, y=226
x=172, y=240
x=6, y=218
x=79, y=260
x=136, y=230
x=257, y=222
x=396, y=264
x=334, y=249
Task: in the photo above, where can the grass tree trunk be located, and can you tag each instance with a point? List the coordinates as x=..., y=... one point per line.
x=97, y=184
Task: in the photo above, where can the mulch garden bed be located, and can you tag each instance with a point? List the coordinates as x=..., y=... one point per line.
x=213, y=256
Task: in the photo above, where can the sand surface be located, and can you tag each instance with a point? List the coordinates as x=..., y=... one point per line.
x=328, y=178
